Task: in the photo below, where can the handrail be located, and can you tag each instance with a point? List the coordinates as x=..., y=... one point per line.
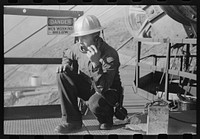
x=171, y=71
x=167, y=40
x=162, y=56
x=20, y=60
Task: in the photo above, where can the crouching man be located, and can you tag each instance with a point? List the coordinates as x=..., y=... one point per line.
x=90, y=71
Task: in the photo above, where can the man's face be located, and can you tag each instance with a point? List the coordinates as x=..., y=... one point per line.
x=86, y=41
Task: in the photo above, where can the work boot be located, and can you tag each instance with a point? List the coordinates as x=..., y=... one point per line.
x=105, y=126
x=68, y=127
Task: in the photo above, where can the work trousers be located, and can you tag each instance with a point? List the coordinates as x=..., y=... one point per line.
x=71, y=86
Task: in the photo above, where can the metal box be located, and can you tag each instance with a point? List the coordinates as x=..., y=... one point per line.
x=186, y=105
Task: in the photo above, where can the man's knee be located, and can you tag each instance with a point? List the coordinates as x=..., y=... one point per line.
x=97, y=104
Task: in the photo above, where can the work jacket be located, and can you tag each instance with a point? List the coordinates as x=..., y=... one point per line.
x=105, y=76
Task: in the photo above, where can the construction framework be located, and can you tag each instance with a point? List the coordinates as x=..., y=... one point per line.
x=167, y=71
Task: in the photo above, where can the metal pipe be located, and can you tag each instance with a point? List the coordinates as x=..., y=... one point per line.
x=137, y=66
x=166, y=71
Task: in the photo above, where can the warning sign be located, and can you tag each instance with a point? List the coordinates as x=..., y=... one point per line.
x=60, y=25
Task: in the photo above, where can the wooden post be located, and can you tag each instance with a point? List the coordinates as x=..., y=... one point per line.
x=167, y=72
x=137, y=66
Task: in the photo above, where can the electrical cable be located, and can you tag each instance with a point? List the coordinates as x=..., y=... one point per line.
x=181, y=120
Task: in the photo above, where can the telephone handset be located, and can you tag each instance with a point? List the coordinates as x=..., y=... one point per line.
x=96, y=39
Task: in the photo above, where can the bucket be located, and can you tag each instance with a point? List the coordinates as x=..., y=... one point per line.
x=157, y=118
x=36, y=80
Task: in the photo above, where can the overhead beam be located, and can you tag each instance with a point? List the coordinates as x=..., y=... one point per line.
x=42, y=12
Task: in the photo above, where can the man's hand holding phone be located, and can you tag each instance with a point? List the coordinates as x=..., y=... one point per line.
x=94, y=55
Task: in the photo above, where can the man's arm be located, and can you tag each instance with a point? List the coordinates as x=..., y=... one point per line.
x=67, y=60
x=68, y=57
x=103, y=75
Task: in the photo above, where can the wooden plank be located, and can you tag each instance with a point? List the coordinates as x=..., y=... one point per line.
x=42, y=12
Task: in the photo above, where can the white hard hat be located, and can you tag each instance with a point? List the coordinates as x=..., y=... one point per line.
x=85, y=25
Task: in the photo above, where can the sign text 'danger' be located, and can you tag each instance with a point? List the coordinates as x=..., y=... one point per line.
x=60, y=21
x=59, y=25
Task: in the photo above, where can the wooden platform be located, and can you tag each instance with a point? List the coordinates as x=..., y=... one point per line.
x=42, y=120
x=45, y=124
